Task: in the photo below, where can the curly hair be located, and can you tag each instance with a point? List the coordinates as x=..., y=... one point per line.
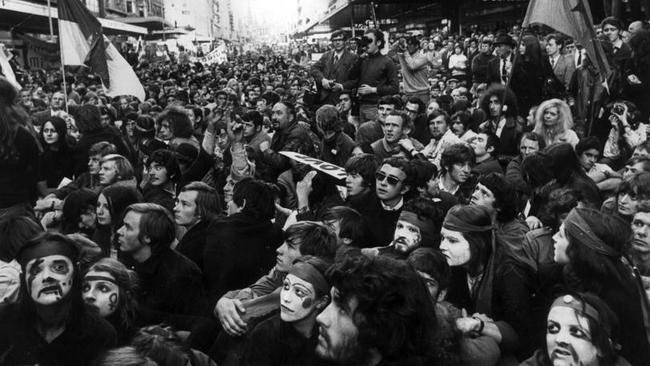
x=127, y=282
x=390, y=296
x=507, y=95
x=504, y=193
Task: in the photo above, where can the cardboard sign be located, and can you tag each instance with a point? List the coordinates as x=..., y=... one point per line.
x=325, y=167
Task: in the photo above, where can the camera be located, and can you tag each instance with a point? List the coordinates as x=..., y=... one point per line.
x=363, y=44
x=618, y=109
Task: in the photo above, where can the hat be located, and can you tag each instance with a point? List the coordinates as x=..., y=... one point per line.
x=505, y=39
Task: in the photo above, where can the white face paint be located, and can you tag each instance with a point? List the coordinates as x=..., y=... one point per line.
x=455, y=247
x=297, y=299
x=407, y=237
x=101, y=292
x=49, y=278
x=568, y=339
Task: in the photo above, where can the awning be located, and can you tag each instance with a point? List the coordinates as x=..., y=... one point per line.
x=28, y=17
x=358, y=11
x=151, y=23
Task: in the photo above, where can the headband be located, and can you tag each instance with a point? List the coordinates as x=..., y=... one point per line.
x=568, y=301
x=47, y=248
x=454, y=219
x=100, y=278
x=576, y=225
x=426, y=226
x=309, y=273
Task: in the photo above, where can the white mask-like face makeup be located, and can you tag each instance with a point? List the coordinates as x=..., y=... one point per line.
x=49, y=278
x=101, y=291
x=455, y=247
x=297, y=299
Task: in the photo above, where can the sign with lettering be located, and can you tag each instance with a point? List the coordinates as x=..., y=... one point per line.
x=325, y=167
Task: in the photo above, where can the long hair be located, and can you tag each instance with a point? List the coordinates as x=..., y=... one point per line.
x=127, y=281
x=11, y=117
x=74, y=206
x=565, y=119
x=61, y=128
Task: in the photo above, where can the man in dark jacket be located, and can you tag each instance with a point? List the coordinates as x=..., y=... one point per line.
x=480, y=62
x=332, y=70
x=168, y=281
x=197, y=205
x=289, y=136
x=240, y=248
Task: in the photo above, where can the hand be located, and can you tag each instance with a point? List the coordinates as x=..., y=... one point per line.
x=228, y=310
x=633, y=79
x=533, y=222
x=337, y=87
x=366, y=89
x=264, y=146
x=304, y=187
x=325, y=83
x=406, y=144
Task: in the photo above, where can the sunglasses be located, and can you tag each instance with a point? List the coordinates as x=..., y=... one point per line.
x=392, y=180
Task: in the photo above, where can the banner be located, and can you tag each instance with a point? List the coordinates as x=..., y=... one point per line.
x=39, y=54
x=325, y=167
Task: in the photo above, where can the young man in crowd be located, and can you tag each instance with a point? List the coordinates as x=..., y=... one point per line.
x=486, y=149
x=442, y=137
x=168, y=281
x=456, y=174
x=372, y=130
x=396, y=142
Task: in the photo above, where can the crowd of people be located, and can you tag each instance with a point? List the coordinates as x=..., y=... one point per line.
x=494, y=210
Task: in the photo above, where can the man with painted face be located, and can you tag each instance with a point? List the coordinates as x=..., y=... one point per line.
x=51, y=325
x=380, y=314
x=290, y=337
x=418, y=226
x=288, y=136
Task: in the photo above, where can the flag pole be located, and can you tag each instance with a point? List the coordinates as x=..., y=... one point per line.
x=65, y=85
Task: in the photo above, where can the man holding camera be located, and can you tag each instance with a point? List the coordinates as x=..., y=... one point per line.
x=413, y=64
x=332, y=70
x=377, y=75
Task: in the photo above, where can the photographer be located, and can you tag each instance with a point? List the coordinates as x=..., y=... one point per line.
x=377, y=75
x=627, y=132
x=413, y=62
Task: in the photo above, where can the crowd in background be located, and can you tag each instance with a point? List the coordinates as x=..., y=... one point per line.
x=477, y=200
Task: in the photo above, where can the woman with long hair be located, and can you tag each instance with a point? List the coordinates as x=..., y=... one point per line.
x=79, y=212
x=580, y=330
x=111, y=203
x=590, y=245
x=553, y=121
x=56, y=160
x=18, y=155
x=109, y=288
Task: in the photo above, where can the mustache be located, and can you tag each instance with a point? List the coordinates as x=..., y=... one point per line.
x=56, y=289
x=567, y=348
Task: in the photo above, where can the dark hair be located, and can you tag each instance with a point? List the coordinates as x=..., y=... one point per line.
x=556, y=37
x=563, y=161
x=327, y=118
x=87, y=118
x=456, y=154
x=119, y=198
x=464, y=117
x=424, y=170
x=102, y=148
x=427, y=210
x=208, y=203
x=167, y=159
x=605, y=331
x=391, y=100
x=156, y=223
x=505, y=202
x=257, y=198
x=637, y=186
x=437, y=113
x=77, y=203
x=253, y=116
x=366, y=166
x=123, y=356
x=532, y=136
x=613, y=21
x=15, y=231
x=145, y=127
x=390, y=295
x=506, y=95
x=163, y=345
x=493, y=142
x=432, y=262
x=314, y=239
x=179, y=121
x=419, y=102
x=127, y=282
x=407, y=123
x=645, y=160
x=379, y=36
x=61, y=128
x=587, y=143
x=350, y=223
x=560, y=201
x=480, y=242
x=339, y=34
x=12, y=116
x=406, y=167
